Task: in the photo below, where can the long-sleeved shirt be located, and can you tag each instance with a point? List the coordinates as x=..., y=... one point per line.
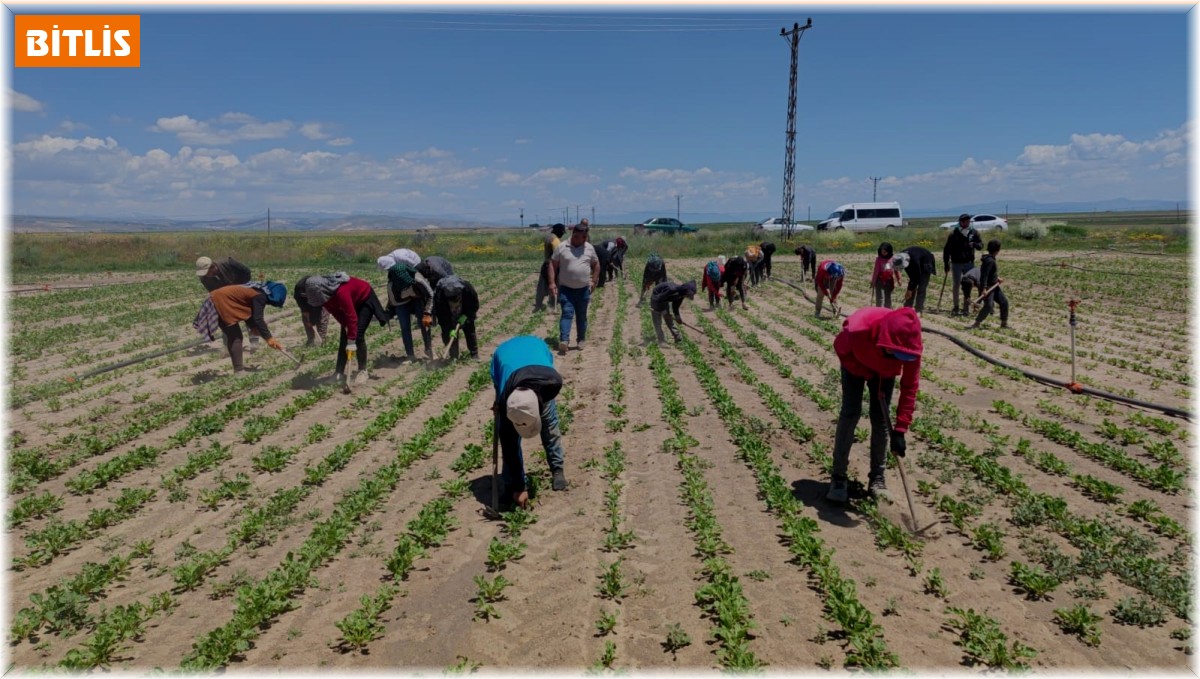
x=860, y=344
x=448, y=310
x=988, y=272
x=236, y=303
x=823, y=282
x=344, y=304
x=961, y=246
x=524, y=361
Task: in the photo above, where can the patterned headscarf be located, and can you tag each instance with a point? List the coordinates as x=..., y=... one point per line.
x=320, y=288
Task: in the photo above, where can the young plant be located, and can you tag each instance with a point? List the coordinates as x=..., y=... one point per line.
x=606, y=623
x=677, y=639
x=1080, y=621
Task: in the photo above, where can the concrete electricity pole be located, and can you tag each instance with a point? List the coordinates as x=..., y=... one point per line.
x=789, y=158
x=677, y=198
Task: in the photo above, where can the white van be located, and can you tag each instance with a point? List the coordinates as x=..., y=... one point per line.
x=864, y=217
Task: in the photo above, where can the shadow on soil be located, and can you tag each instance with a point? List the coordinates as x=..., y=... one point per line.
x=812, y=493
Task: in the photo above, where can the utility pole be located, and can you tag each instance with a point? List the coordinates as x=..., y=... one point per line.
x=789, y=159
x=677, y=198
x=576, y=214
x=593, y=214
x=522, y=218
x=875, y=187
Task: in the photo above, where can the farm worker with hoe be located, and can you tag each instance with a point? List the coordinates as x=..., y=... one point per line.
x=754, y=258
x=989, y=277
x=455, y=304
x=526, y=386
x=828, y=283
x=655, y=272
x=549, y=244
x=410, y=296
x=713, y=271
x=808, y=261
x=434, y=269
x=958, y=257
x=874, y=347
x=314, y=318
x=237, y=303
x=574, y=273
x=734, y=278
x=216, y=275
x=352, y=302
x=920, y=266
x=768, y=249
x=665, y=302
x=884, y=276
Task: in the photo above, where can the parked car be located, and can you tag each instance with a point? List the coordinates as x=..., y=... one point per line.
x=864, y=217
x=982, y=223
x=666, y=225
x=776, y=224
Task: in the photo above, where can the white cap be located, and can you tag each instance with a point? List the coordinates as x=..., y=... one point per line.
x=203, y=265
x=525, y=413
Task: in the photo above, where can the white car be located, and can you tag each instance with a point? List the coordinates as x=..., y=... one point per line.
x=777, y=224
x=982, y=223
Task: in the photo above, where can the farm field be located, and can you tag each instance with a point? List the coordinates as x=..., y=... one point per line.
x=172, y=515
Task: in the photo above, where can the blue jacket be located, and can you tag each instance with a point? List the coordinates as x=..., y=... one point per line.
x=525, y=361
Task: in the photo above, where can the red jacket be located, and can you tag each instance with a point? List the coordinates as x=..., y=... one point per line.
x=822, y=281
x=882, y=277
x=860, y=344
x=345, y=303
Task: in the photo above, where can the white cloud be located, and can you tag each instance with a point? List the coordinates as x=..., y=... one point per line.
x=226, y=129
x=341, y=141
x=522, y=140
x=508, y=178
x=23, y=102
x=313, y=131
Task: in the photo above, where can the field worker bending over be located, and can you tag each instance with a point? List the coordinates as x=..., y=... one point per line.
x=213, y=276
x=808, y=262
x=405, y=255
x=434, y=269
x=410, y=296
x=970, y=280
x=920, y=266
x=653, y=273
x=352, y=303
x=237, y=303
x=768, y=249
x=884, y=276
x=314, y=318
x=616, y=263
x=526, y=386
x=550, y=243
x=713, y=271
x=828, y=283
x=989, y=275
x=874, y=347
x=574, y=273
x=455, y=303
x=734, y=278
x=665, y=302
x=754, y=257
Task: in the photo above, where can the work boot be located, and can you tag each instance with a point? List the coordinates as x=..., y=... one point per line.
x=562, y=348
x=877, y=487
x=579, y=345
x=973, y=326
x=1004, y=325
x=839, y=490
x=560, y=480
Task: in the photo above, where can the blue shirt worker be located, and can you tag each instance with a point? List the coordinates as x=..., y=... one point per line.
x=526, y=386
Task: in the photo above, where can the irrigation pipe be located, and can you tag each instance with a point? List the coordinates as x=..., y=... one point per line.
x=1078, y=389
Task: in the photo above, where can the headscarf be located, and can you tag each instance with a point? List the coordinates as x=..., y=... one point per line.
x=386, y=262
x=407, y=256
x=402, y=275
x=690, y=288
x=721, y=261
x=320, y=288
x=451, y=287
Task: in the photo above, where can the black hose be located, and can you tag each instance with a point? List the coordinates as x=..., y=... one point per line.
x=1080, y=389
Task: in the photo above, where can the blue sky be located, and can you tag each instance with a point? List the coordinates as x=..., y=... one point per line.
x=480, y=112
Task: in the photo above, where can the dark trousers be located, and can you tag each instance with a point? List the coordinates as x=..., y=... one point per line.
x=513, y=471
x=739, y=285
x=467, y=329
x=651, y=278
x=766, y=265
x=365, y=316
x=316, y=322
x=543, y=287
x=405, y=314
x=995, y=296
x=883, y=296
x=755, y=273
x=917, y=286
x=233, y=343
x=852, y=397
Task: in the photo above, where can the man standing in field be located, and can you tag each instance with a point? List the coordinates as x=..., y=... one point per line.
x=828, y=283
x=574, y=272
x=550, y=243
x=958, y=257
x=920, y=266
x=874, y=347
x=526, y=385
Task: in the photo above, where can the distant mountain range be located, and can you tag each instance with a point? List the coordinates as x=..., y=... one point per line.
x=330, y=221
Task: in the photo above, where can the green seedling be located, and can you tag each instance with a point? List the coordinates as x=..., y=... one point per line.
x=612, y=581
x=606, y=623
x=677, y=639
x=1080, y=621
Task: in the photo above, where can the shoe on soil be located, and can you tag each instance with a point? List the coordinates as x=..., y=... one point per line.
x=839, y=490
x=560, y=480
x=361, y=377
x=1004, y=326
x=877, y=487
x=579, y=345
x=562, y=348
